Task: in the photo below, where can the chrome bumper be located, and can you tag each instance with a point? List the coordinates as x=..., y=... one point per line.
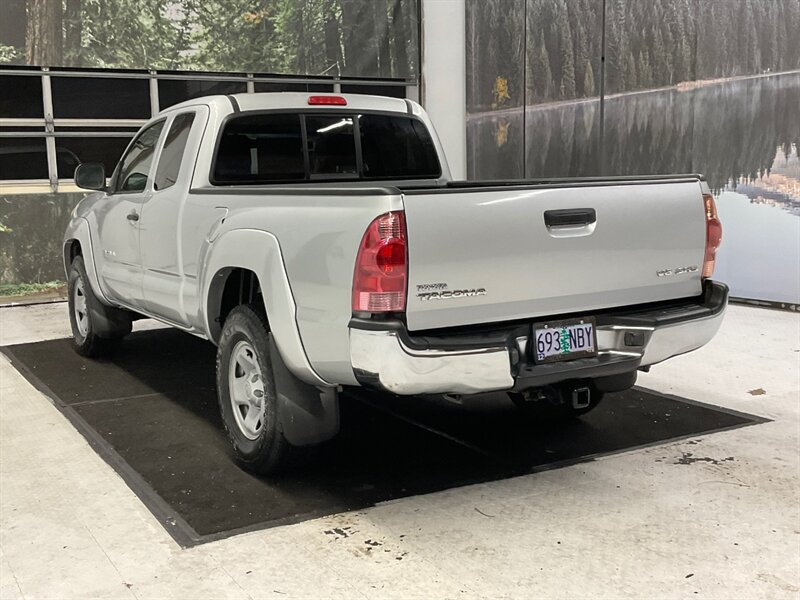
x=380, y=359
x=383, y=358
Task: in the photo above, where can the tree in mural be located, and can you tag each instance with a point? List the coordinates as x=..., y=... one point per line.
x=649, y=44
x=727, y=132
x=43, y=32
x=333, y=37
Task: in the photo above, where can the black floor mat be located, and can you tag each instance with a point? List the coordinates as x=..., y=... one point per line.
x=151, y=412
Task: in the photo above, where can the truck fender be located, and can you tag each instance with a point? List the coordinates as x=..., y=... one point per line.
x=259, y=252
x=78, y=230
x=108, y=321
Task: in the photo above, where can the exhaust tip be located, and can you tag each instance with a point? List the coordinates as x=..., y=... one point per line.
x=581, y=397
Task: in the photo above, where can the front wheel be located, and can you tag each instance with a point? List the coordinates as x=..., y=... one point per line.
x=246, y=392
x=96, y=328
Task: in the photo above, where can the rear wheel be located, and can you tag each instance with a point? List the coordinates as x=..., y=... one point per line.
x=247, y=398
x=557, y=402
x=95, y=330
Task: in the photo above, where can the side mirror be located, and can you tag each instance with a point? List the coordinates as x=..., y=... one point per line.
x=91, y=176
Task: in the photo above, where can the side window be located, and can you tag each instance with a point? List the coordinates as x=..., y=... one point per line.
x=260, y=149
x=169, y=164
x=135, y=166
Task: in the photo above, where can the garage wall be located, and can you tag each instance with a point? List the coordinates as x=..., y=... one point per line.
x=443, y=77
x=31, y=230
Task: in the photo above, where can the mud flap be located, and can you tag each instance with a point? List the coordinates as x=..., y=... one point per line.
x=109, y=322
x=308, y=414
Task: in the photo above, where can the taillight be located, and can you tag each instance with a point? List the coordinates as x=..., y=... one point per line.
x=713, y=235
x=379, y=281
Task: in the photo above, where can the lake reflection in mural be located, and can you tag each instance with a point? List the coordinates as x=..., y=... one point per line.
x=760, y=254
x=742, y=134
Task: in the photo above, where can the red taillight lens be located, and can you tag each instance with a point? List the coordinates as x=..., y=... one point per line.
x=327, y=100
x=379, y=281
x=713, y=235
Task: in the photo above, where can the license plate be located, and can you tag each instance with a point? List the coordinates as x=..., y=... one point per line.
x=565, y=340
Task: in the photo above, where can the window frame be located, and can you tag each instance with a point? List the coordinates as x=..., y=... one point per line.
x=113, y=189
x=357, y=177
x=50, y=128
x=33, y=138
x=64, y=101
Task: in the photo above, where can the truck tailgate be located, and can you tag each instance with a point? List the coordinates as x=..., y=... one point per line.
x=479, y=255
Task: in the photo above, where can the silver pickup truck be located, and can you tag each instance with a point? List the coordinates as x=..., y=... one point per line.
x=319, y=242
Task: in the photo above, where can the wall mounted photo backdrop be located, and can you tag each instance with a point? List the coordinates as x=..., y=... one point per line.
x=702, y=86
x=352, y=38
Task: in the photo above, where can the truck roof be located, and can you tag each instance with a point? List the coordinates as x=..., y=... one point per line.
x=296, y=100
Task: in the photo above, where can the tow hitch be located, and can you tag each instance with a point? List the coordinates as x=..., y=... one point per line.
x=581, y=397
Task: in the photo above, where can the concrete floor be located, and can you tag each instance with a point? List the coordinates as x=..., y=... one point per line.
x=669, y=521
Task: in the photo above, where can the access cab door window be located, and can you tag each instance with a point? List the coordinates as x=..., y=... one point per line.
x=169, y=162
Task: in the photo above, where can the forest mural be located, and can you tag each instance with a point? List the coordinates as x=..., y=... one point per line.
x=376, y=38
x=700, y=86
x=531, y=51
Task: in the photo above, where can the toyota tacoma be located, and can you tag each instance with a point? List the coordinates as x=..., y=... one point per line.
x=319, y=242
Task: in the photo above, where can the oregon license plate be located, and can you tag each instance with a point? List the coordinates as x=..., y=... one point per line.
x=564, y=340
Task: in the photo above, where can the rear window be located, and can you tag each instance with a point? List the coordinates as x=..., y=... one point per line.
x=282, y=147
x=331, y=146
x=260, y=149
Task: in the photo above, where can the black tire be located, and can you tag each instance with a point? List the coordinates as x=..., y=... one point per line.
x=246, y=330
x=556, y=407
x=90, y=337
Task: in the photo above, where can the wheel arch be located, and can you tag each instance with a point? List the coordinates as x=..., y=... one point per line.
x=228, y=265
x=72, y=248
x=230, y=287
x=78, y=242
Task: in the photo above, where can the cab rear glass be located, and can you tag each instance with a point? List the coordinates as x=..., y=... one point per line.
x=259, y=148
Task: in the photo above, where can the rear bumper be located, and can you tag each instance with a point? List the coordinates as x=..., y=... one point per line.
x=384, y=356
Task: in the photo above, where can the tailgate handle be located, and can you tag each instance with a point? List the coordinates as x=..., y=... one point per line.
x=570, y=217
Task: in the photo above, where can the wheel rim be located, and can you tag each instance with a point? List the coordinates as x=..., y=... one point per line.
x=246, y=386
x=79, y=307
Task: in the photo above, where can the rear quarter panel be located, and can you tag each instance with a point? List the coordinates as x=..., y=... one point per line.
x=318, y=237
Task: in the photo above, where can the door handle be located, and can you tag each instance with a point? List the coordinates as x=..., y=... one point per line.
x=570, y=217
x=132, y=216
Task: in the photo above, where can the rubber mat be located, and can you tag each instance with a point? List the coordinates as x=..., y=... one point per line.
x=151, y=413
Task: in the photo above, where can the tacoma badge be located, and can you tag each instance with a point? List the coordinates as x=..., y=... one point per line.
x=676, y=271
x=446, y=294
